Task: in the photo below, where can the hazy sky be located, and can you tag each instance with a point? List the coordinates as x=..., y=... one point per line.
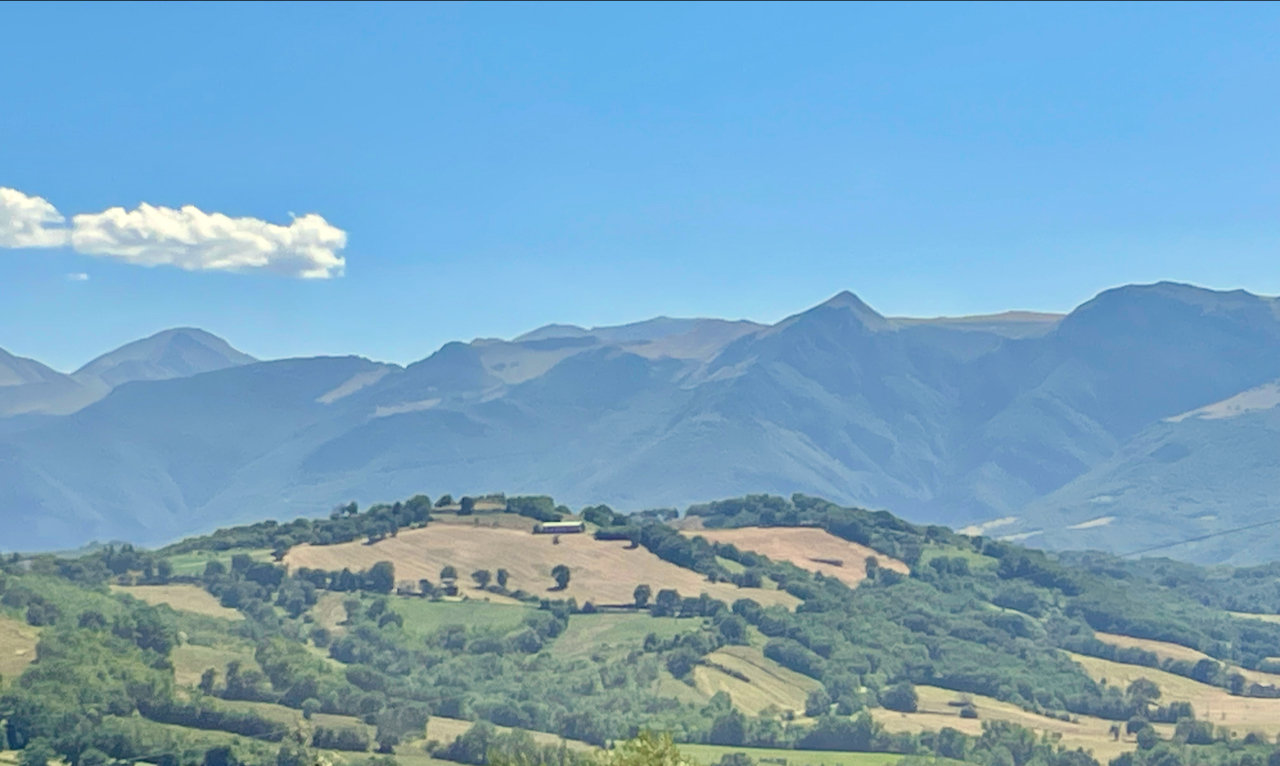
x=479, y=170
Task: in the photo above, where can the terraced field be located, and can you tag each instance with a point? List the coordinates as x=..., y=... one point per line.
x=811, y=548
x=767, y=683
x=602, y=572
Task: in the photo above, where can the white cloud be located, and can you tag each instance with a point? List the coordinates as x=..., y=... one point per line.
x=194, y=240
x=78, y=276
x=26, y=221
x=188, y=238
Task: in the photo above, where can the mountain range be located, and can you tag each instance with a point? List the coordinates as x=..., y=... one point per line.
x=1146, y=417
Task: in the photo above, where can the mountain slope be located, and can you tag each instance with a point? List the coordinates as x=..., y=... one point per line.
x=176, y=353
x=1198, y=475
x=27, y=386
x=944, y=421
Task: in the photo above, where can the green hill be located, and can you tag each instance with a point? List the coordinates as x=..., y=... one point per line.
x=355, y=662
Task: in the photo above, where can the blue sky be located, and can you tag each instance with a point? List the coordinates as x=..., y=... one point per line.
x=498, y=167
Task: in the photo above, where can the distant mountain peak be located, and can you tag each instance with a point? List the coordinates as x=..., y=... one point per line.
x=173, y=353
x=846, y=302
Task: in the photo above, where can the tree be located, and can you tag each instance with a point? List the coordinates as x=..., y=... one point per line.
x=38, y=752
x=444, y=500
x=560, y=573
x=503, y=576
x=207, y=680
x=818, y=703
x=449, y=572
x=646, y=749
x=1147, y=738
x=467, y=506
x=728, y=729
x=310, y=706
x=641, y=595
x=381, y=577
x=666, y=604
x=900, y=697
x=733, y=629
x=1142, y=692
x=482, y=577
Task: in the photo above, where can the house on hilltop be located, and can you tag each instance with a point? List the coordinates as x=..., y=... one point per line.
x=560, y=528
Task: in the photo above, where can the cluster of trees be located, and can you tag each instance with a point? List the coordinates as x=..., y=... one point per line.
x=344, y=524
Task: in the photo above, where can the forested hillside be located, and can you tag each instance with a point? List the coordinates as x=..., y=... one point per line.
x=444, y=630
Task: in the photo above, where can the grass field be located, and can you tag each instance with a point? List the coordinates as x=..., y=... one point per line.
x=976, y=560
x=423, y=617
x=193, y=563
x=816, y=550
x=182, y=597
x=769, y=684
x=190, y=661
x=601, y=572
x=591, y=633
x=1239, y=714
x=936, y=711
x=17, y=646
x=711, y=754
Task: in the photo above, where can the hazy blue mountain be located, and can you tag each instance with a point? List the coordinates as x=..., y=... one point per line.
x=1030, y=424
x=1199, y=474
x=176, y=353
x=29, y=387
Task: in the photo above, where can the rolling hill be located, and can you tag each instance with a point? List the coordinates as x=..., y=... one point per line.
x=349, y=641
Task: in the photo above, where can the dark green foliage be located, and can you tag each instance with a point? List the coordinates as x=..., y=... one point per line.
x=560, y=573
x=900, y=697
x=538, y=508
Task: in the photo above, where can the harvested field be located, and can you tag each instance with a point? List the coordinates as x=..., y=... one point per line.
x=1165, y=650
x=1239, y=714
x=936, y=711
x=17, y=647
x=446, y=730
x=602, y=572
x=768, y=684
x=816, y=550
x=184, y=598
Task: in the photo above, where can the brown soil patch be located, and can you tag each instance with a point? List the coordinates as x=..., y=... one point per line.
x=811, y=548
